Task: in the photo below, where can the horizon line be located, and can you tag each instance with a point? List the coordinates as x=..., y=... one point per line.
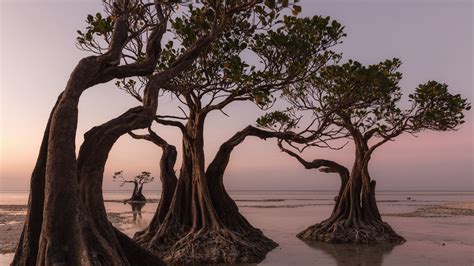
x=282, y=190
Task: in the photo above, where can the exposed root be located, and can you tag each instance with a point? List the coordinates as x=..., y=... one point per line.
x=216, y=246
x=338, y=232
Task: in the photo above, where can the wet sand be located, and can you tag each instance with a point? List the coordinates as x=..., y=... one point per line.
x=437, y=233
x=11, y=223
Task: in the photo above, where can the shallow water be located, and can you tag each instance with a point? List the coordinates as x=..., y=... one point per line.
x=282, y=214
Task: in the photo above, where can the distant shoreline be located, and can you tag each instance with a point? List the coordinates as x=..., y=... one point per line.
x=278, y=190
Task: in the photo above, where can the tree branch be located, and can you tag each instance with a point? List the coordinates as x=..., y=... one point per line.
x=144, y=68
x=171, y=123
x=151, y=136
x=330, y=166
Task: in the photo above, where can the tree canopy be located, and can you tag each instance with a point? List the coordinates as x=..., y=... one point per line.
x=366, y=102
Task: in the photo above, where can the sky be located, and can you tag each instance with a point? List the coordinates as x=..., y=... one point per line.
x=433, y=38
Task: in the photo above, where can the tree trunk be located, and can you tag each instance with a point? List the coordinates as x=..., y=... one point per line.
x=73, y=240
x=135, y=189
x=137, y=194
x=92, y=158
x=28, y=245
x=203, y=224
x=190, y=214
x=54, y=194
x=168, y=184
x=58, y=229
x=257, y=245
x=355, y=218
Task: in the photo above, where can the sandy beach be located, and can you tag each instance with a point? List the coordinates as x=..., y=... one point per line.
x=439, y=228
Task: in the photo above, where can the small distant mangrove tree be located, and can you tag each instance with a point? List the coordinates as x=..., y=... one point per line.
x=138, y=181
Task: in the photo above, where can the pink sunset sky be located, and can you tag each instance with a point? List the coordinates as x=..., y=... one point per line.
x=433, y=38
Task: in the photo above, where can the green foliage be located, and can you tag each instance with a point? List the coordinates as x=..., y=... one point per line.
x=127, y=85
x=298, y=42
x=436, y=108
x=142, y=178
x=141, y=19
x=364, y=101
x=366, y=96
x=223, y=66
x=273, y=119
x=257, y=55
x=96, y=25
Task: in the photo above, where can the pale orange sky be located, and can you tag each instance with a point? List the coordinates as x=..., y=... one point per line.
x=434, y=40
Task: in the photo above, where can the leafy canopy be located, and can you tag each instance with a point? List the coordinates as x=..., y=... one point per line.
x=365, y=101
x=140, y=179
x=259, y=53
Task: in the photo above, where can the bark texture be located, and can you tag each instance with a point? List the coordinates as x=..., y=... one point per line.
x=66, y=222
x=59, y=230
x=92, y=158
x=55, y=190
x=99, y=141
x=168, y=183
x=28, y=244
x=203, y=223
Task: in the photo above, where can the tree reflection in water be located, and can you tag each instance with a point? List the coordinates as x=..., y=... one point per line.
x=351, y=254
x=137, y=210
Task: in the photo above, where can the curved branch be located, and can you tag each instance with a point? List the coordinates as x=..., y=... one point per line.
x=153, y=50
x=325, y=166
x=168, y=181
x=229, y=99
x=172, y=117
x=119, y=39
x=152, y=137
x=193, y=52
x=218, y=165
x=329, y=166
x=171, y=123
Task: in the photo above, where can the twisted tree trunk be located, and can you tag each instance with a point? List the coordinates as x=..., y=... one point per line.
x=137, y=194
x=63, y=226
x=28, y=244
x=192, y=231
x=74, y=239
x=203, y=224
x=355, y=218
x=58, y=228
x=168, y=184
x=91, y=163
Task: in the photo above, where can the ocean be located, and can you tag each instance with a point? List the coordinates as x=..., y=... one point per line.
x=431, y=240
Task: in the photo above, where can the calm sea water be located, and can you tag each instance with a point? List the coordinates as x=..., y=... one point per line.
x=282, y=214
x=280, y=197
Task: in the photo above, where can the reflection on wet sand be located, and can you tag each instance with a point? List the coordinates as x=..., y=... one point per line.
x=350, y=254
